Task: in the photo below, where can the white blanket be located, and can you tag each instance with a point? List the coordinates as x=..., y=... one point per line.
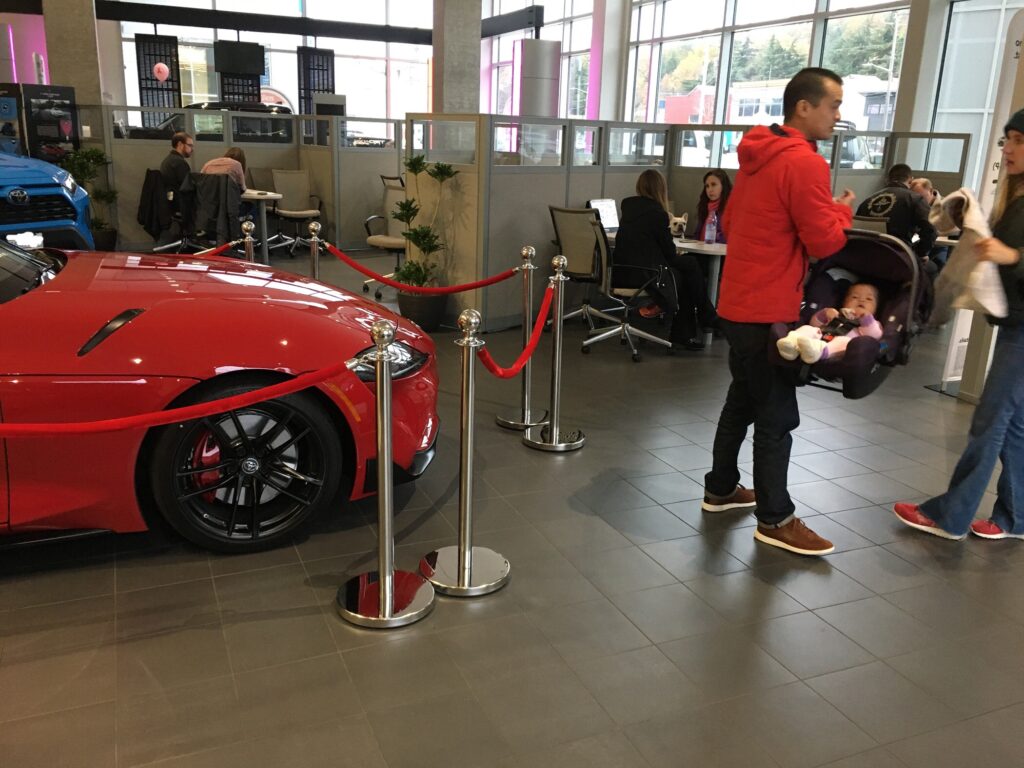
x=965, y=282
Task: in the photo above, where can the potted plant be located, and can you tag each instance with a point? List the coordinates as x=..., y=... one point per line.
x=85, y=166
x=423, y=242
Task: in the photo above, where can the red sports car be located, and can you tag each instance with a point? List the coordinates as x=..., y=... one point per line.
x=101, y=335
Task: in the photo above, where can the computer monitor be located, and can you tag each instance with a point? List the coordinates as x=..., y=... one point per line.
x=608, y=212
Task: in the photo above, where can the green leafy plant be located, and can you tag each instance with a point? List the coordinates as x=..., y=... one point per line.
x=417, y=273
x=88, y=166
x=420, y=269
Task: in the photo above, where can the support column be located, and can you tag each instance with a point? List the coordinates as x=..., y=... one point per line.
x=74, y=52
x=609, y=41
x=456, y=75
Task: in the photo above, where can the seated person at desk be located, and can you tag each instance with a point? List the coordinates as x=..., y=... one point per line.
x=711, y=206
x=232, y=163
x=644, y=240
x=831, y=330
x=175, y=168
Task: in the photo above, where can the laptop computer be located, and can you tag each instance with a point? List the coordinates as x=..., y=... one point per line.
x=609, y=214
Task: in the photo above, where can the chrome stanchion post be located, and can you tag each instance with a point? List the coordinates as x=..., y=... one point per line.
x=250, y=244
x=525, y=418
x=465, y=570
x=314, y=250
x=551, y=437
x=385, y=597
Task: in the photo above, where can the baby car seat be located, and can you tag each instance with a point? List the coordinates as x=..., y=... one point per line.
x=889, y=264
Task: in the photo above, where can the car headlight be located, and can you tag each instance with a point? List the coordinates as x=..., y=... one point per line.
x=70, y=184
x=406, y=361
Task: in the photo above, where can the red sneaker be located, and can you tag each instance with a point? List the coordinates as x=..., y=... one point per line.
x=911, y=515
x=989, y=530
x=651, y=310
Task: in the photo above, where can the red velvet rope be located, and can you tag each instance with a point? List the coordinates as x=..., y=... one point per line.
x=174, y=415
x=538, y=328
x=417, y=288
x=219, y=249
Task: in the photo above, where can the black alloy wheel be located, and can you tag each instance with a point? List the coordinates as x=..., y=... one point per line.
x=246, y=480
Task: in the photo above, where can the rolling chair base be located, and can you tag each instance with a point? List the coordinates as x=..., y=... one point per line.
x=627, y=333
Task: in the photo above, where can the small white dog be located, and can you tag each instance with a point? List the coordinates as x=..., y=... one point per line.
x=677, y=225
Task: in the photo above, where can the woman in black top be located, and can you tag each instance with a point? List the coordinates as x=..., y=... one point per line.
x=997, y=428
x=644, y=240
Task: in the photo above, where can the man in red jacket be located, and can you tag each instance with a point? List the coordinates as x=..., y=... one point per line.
x=780, y=214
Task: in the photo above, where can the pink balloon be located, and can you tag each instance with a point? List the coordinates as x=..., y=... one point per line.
x=160, y=71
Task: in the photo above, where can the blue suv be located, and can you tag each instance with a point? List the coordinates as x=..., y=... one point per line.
x=40, y=197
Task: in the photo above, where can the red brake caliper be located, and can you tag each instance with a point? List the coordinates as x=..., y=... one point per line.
x=207, y=454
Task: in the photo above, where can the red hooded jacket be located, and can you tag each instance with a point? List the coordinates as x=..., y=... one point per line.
x=780, y=213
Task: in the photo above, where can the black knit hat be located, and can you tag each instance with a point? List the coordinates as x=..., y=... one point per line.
x=1016, y=122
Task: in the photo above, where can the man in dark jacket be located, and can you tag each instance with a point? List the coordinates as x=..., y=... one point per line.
x=781, y=212
x=905, y=211
x=175, y=168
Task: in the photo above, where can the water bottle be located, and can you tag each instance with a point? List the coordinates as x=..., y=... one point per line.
x=711, y=228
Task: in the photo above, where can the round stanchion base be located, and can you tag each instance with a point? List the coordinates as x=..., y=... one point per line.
x=359, y=603
x=566, y=439
x=490, y=571
x=520, y=422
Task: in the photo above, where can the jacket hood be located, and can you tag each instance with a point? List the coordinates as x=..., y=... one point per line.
x=763, y=143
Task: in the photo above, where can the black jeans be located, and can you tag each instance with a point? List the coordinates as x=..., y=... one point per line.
x=764, y=395
x=695, y=310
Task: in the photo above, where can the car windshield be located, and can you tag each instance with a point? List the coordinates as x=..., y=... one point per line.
x=21, y=271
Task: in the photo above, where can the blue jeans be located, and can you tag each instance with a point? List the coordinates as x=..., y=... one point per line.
x=762, y=394
x=997, y=430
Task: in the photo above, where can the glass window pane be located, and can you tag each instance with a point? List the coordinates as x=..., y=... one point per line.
x=641, y=85
x=280, y=42
x=974, y=44
x=364, y=84
x=763, y=61
x=750, y=11
x=263, y=129
x=577, y=85
x=281, y=83
x=132, y=28
x=353, y=48
x=580, y=37
x=867, y=52
x=586, y=148
x=684, y=16
x=695, y=149
x=411, y=13
x=582, y=6
x=269, y=7
x=930, y=155
x=332, y=10
x=840, y=5
x=501, y=93
x=198, y=80
x=409, y=87
x=636, y=146
x=447, y=141
x=686, y=86
x=552, y=31
x=521, y=144
x=194, y=34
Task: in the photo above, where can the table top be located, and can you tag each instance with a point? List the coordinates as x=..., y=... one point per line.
x=699, y=246
x=254, y=195
x=946, y=241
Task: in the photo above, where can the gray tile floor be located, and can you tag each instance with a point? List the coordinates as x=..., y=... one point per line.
x=636, y=631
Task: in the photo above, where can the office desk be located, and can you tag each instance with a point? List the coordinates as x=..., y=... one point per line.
x=260, y=198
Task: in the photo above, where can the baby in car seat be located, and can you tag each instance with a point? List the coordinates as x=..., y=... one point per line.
x=831, y=329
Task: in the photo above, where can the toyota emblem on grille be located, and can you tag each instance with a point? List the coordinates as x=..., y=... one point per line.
x=17, y=197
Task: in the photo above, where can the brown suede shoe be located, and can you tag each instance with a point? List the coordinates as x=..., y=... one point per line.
x=741, y=498
x=796, y=537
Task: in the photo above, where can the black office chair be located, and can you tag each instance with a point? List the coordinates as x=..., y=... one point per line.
x=584, y=243
x=173, y=211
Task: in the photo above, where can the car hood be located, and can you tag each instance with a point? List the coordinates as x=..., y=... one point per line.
x=188, y=317
x=25, y=170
